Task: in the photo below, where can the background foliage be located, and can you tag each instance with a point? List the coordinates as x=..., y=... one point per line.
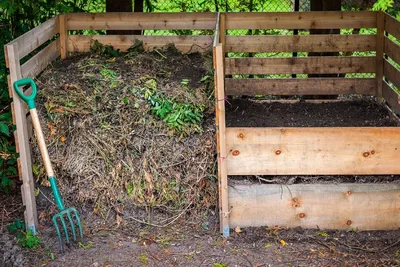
x=19, y=16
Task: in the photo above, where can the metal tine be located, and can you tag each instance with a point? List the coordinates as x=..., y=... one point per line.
x=65, y=229
x=79, y=223
x=72, y=226
x=58, y=233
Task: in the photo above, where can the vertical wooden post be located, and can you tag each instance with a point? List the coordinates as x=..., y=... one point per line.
x=222, y=30
x=24, y=161
x=222, y=153
x=62, y=22
x=380, y=39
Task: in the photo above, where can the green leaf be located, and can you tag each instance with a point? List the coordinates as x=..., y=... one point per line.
x=4, y=129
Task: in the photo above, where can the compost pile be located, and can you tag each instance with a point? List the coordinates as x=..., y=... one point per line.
x=131, y=133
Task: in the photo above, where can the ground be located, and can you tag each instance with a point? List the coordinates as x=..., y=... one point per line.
x=130, y=168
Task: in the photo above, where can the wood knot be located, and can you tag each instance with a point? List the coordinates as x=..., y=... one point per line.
x=366, y=154
x=278, y=152
x=349, y=222
x=235, y=153
x=241, y=135
x=372, y=152
x=349, y=193
x=302, y=215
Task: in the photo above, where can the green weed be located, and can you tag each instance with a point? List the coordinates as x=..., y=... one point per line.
x=25, y=239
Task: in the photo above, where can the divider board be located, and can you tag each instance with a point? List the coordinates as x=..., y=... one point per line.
x=323, y=206
x=391, y=96
x=82, y=43
x=392, y=50
x=300, y=65
x=313, y=151
x=35, y=65
x=34, y=38
x=301, y=86
x=301, y=43
x=301, y=20
x=392, y=73
x=142, y=21
x=392, y=26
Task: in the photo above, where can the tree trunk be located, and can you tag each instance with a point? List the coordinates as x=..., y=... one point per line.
x=119, y=6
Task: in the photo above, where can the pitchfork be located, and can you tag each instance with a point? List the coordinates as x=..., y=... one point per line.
x=64, y=212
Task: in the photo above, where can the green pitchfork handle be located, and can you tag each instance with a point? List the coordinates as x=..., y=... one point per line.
x=30, y=101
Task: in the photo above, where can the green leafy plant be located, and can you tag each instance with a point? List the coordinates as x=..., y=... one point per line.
x=25, y=239
x=104, y=50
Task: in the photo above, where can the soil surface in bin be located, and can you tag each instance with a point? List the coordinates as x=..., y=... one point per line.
x=245, y=112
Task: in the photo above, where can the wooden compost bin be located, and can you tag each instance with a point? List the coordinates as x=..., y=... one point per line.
x=254, y=151
x=312, y=150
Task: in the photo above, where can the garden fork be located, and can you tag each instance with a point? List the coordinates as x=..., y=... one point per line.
x=64, y=212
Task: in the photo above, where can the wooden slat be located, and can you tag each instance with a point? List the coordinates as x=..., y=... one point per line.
x=313, y=151
x=392, y=73
x=26, y=174
x=10, y=88
x=323, y=206
x=36, y=37
x=391, y=97
x=310, y=65
x=63, y=36
x=301, y=20
x=310, y=86
x=222, y=31
x=392, y=26
x=301, y=43
x=222, y=152
x=216, y=34
x=380, y=43
x=81, y=43
x=141, y=21
x=392, y=50
x=41, y=60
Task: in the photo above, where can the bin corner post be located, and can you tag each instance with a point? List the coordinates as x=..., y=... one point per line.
x=380, y=39
x=62, y=22
x=221, y=141
x=24, y=160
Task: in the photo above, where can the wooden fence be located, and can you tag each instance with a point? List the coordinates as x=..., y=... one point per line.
x=257, y=151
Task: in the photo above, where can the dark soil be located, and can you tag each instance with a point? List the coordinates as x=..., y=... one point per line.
x=258, y=113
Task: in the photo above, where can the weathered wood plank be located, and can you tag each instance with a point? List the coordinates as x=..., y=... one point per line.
x=41, y=60
x=142, y=21
x=392, y=26
x=380, y=44
x=25, y=173
x=310, y=151
x=301, y=43
x=222, y=152
x=186, y=44
x=36, y=37
x=301, y=20
x=63, y=36
x=392, y=73
x=310, y=65
x=391, y=97
x=310, y=86
x=392, y=50
x=324, y=206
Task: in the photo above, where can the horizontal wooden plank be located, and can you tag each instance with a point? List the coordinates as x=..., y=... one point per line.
x=142, y=21
x=310, y=65
x=392, y=26
x=301, y=43
x=310, y=86
x=391, y=73
x=301, y=20
x=41, y=60
x=323, y=206
x=392, y=50
x=36, y=37
x=313, y=151
x=184, y=43
x=391, y=97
